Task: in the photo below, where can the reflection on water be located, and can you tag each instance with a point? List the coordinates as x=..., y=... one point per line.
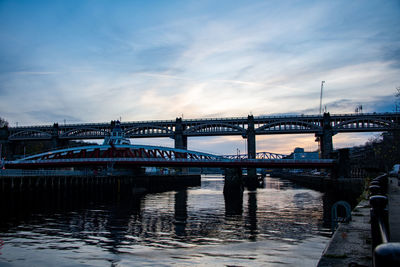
x=277, y=225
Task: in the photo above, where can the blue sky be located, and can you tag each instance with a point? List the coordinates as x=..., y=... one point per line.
x=96, y=61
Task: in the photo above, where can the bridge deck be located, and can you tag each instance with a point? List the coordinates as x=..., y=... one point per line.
x=314, y=124
x=135, y=162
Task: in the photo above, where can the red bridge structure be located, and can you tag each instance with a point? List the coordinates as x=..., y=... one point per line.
x=129, y=156
x=116, y=151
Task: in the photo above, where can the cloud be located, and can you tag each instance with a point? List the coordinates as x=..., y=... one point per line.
x=98, y=61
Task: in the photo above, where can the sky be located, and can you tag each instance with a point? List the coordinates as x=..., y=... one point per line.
x=97, y=61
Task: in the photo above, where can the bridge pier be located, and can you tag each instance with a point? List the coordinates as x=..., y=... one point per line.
x=233, y=191
x=325, y=138
x=10, y=150
x=179, y=137
x=342, y=169
x=251, y=138
x=55, y=141
x=181, y=214
x=251, y=179
x=4, y=134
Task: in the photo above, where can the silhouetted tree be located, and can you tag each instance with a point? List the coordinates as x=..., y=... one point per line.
x=397, y=100
x=383, y=151
x=3, y=123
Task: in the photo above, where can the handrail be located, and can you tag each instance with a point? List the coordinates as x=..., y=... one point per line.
x=385, y=253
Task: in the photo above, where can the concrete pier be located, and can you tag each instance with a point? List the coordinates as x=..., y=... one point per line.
x=251, y=181
x=233, y=191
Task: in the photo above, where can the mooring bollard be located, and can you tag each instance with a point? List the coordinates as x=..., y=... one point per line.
x=374, y=190
x=382, y=181
x=387, y=255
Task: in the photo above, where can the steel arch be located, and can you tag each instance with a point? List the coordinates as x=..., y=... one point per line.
x=33, y=134
x=357, y=121
x=309, y=126
x=197, y=128
x=79, y=132
x=130, y=132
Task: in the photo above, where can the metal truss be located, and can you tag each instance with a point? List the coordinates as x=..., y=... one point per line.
x=263, y=125
x=129, y=156
x=259, y=155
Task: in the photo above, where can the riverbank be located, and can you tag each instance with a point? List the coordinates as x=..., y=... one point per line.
x=351, y=242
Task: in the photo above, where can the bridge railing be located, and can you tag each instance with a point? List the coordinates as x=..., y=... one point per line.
x=183, y=160
x=385, y=253
x=259, y=155
x=209, y=119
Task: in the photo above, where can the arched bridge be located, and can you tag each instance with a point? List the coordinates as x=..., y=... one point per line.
x=323, y=126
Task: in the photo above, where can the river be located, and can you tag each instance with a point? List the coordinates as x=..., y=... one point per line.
x=280, y=224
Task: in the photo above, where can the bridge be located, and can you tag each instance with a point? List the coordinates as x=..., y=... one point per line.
x=117, y=153
x=324, y=127
x=133, y=156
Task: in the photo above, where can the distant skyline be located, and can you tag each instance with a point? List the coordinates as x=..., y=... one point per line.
x=97, y=61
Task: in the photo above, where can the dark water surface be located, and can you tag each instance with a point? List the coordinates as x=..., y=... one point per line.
x=279, y=225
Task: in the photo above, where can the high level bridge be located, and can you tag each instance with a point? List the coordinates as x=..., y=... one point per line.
x=324, y=127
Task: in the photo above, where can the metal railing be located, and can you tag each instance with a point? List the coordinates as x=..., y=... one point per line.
x=209, y=119
x=385, y=253
x=216, y=159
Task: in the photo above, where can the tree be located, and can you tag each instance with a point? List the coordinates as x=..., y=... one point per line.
x=397, y=100
x=383, y=151
x=3, y=123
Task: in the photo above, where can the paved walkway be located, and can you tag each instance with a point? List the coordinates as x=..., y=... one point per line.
x=351, y=243
x=394, y=209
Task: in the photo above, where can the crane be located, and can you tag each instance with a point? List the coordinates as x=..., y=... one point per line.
x=320, y=99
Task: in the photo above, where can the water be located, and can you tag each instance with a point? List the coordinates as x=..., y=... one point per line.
x=279, y=225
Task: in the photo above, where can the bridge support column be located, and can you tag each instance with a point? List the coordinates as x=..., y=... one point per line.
x=325, y=138
x=342, y=169
x=251, y=179
x=233, y=191
x=181, y=213
x=10, y=150
x=3, y=146
x=180, y=138
x=55, y=141
x=251, y=138
x=4, y=143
